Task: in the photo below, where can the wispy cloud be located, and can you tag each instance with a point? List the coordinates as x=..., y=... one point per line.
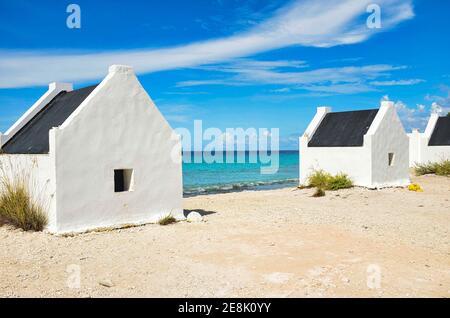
x=444, y=101
x=398, y=82
x=290, y=74
x=176, y=113
x=318, y=23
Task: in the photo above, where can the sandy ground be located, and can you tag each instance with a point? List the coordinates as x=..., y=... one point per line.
x=280, y=243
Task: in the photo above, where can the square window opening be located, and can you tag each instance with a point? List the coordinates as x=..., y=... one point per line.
x=391, y=158
x=123, y=180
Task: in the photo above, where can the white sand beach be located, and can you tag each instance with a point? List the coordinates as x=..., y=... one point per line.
x=280, y=243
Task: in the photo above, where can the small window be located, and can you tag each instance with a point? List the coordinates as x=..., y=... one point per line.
x=391, y=158
x=123, y=180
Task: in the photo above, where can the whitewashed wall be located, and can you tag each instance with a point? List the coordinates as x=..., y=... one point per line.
x=434, y=153
x=354, y=161
x=387, y=135
x=116, y=127
x=414, y=148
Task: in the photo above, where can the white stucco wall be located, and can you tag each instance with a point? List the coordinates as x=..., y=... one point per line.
x=38, y=171
x=116, y=127
x=368, y=165
x=434, y=153
x=387, y=135
x=420, y=152
x=414, y=141
x=354, y=161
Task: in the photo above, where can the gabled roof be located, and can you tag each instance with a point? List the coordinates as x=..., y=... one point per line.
x=343, y=129
x=441, y=133
x=33, y=137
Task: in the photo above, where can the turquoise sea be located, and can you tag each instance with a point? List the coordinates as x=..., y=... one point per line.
x=204, y=178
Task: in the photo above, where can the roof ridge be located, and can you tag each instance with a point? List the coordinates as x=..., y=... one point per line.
x=33, y=137
x=354, y=111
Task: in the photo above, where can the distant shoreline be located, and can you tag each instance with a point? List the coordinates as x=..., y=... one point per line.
x=239, y=187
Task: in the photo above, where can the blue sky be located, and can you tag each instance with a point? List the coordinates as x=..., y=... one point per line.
x=256, y=63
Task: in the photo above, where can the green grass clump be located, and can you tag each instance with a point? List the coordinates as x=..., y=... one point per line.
x=322, y=181
x=319, y=179
x=168, y=219
x=325, y=181
x=339, y=181
x=18, y=207
x=441, y=168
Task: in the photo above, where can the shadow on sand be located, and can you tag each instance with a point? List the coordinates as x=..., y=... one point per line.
x=201, y=211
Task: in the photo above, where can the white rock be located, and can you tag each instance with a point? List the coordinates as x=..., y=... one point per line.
x=194, y=217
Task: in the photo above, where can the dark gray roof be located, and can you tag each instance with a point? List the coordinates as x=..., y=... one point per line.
x=441, y=133
x=33, y=137
x=343, y=129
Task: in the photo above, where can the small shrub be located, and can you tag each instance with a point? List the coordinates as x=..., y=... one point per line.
x=18, y=207
x=319, y=193
x=325, y=181
x=441, y=168
x=319, y=179
x=168, y=219
x=415, y=187
x=425, y=168
x=339, y=181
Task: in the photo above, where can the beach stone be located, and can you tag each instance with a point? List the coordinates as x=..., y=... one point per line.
x=106, y=283
x=194, y=217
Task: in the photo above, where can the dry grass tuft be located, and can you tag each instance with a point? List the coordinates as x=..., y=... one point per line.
x=20, y=204
x=18, y=207
x=441, y=168
x=169, y=219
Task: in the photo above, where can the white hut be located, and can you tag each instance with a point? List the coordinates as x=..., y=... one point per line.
x=100, y=156
x=433, y=145
x=370, y=146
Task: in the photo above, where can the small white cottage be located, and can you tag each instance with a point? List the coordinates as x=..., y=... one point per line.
x=433, y=145
x=100, y=156
x=370, y=146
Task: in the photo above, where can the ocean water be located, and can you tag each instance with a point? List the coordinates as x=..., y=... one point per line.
x=205, y=178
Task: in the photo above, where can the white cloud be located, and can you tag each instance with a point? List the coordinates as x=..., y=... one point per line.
x=281, y=90
x=417, y=117
x=436, y=108
x=440, y=104
x=412, y=117
x=421, y=108
x=398, y=82
x=342, y=80
x=318, y=23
